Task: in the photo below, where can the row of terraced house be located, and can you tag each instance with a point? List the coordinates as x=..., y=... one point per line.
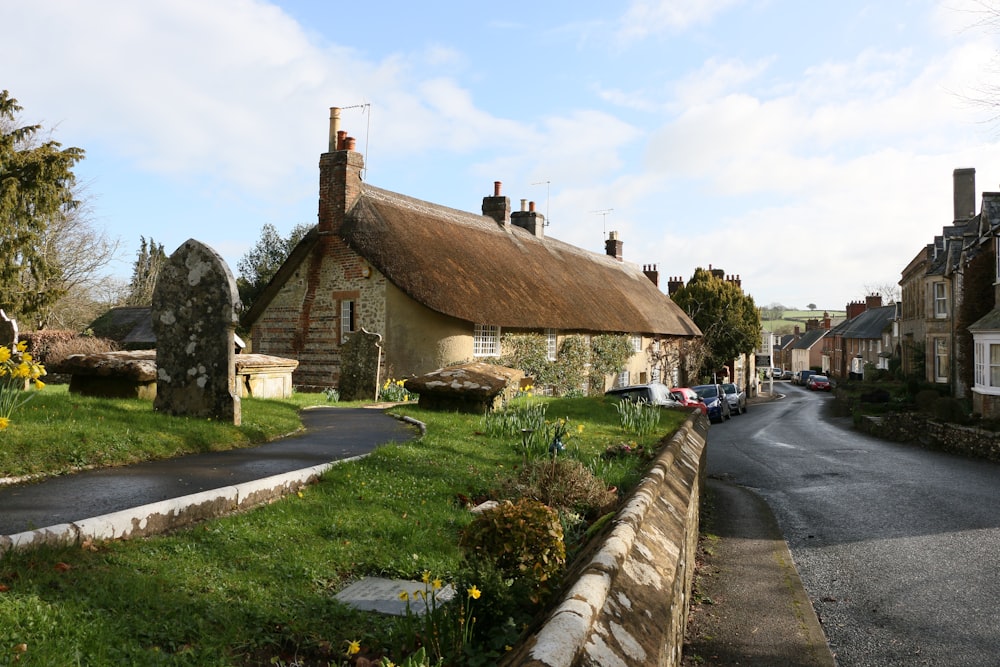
x=945, y=328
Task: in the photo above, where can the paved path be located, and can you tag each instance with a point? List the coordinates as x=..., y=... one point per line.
x=331, y=434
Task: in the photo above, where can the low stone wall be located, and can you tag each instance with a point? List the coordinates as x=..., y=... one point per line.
x=628, y=601
x=953, y=438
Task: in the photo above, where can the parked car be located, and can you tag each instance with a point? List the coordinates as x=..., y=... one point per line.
x=787, y=374
x=801, y=377
x=688, y=398
x=715, y=400
x=737, y=398
x=654, y=393
x=818, y=383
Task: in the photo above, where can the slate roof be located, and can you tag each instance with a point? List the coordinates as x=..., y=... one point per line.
x=130, y=326
x=468, y=266
x=869, y=324
x=808, y=339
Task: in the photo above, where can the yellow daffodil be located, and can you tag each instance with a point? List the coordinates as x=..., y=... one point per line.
x=474, y=593
x=353, y=647
x=437, y=584
x=404, y=596
x=426, y=577
x=4, y=354
x=4, y=423
x=22, y=346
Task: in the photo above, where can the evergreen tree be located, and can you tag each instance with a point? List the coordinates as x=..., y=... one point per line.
x=258, y=266
x=728, y=318
x=145, y=271
x=36, y=190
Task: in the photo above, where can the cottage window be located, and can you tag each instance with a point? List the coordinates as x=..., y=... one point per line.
x=637, y=343
x=623, y=379
x=551, y=344
x=348, y=319
x=987, y=363
x=486, y=341
x=940, y=300
x=996, y=253
x=941, y=370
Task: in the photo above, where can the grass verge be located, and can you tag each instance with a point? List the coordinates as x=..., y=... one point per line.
x=258, y=588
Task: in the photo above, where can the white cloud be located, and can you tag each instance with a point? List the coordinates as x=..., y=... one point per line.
x=647, y=17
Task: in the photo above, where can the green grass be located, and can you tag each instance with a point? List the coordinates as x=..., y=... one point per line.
x=258, y=587
x=56, y=432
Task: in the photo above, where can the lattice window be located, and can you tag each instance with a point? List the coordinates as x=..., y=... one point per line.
x=486, y=341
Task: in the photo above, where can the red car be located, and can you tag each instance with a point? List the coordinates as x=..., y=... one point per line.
x=818, y=383
x=686, y=397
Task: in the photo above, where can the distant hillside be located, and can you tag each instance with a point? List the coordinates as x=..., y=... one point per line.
x=792, y=318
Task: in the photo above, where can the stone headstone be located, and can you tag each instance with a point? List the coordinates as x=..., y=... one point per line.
x=360, y=357
x=8, y=331
x=194, y=319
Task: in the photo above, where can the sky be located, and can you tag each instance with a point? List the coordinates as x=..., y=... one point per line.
x=807, y=147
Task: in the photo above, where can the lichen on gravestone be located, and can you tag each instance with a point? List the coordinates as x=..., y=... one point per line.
x=194, y=318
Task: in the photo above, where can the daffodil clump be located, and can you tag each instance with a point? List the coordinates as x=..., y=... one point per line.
x=18, y=371
x=393, y=391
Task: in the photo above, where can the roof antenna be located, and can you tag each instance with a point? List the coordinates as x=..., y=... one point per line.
x=365, y=108
x=604, y=219
x=546, y=184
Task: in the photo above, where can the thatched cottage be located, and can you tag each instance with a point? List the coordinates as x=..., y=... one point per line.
x=441, y=285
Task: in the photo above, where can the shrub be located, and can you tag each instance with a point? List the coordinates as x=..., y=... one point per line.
x=925, y=399
x=563, y=483
x=57, y=349
x=950, y=410
x=40, y=343
x=523, y=540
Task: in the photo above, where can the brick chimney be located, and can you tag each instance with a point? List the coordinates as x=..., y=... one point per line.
x=613, y=246
x=735, y=280
x=873, y=301
x=826, y=320
x=528, y=218
x=497, y=206
x=812, y=324
x=855, y=308
x=718, y=273
x=339, y=177
x=964, y=185
x=652, y=273
x=675, y=283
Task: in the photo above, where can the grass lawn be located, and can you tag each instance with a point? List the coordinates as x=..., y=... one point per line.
x=257, y=588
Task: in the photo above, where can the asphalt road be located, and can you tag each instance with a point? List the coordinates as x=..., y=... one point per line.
x=898, y=547
x=331, y=434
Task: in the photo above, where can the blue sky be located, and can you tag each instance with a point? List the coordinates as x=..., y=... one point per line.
x=806, y=146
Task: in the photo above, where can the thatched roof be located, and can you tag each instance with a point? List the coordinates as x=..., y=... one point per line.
x=470, y=267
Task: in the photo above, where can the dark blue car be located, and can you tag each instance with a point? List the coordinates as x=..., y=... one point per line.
x=715, y=399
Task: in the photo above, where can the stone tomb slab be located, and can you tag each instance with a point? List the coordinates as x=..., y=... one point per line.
x=383, y=595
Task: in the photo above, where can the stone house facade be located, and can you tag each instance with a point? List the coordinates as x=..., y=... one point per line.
x=864, y=340
x=441, y=286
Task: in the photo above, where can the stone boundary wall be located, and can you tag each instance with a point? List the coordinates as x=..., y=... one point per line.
x=952, y=438
x=628, y=603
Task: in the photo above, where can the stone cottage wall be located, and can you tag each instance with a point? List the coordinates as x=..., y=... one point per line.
x=302, y=322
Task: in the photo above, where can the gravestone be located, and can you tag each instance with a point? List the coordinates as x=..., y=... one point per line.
x=474, y=387
x=194, y=319
x=8, y=331
x=360, y=357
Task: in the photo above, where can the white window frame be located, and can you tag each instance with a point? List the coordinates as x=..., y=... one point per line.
x=940, y=292
x=987, y=368
x=551, y=344
x=623, y=379
x=486, y=340
x=942, y=366
x=348, y=318
x=636, y=343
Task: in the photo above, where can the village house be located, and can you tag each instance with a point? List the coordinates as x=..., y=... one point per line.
x=442, y=286
x=931, y=293
x=863, y=340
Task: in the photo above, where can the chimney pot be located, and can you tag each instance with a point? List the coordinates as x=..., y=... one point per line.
x=496, y=188
x=334, y=128
x=531, y=206
x=524, y=204
x=341, y=138
x=349, y=143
